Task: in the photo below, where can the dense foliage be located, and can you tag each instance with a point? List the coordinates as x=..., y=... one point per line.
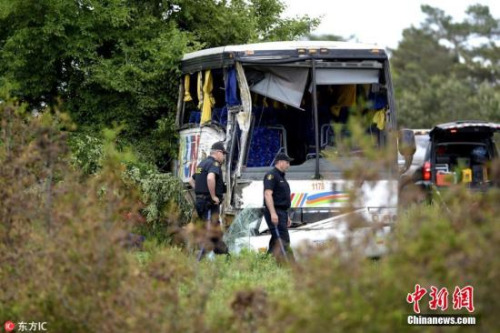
x=117, y=61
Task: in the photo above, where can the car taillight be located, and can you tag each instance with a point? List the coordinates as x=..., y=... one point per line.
x=426, y=171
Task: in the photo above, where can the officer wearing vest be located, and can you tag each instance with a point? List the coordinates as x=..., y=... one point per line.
x=276, y=204
x=209, y=188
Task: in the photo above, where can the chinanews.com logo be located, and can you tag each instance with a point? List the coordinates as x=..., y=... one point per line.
x=462, y=298
x=34, y=326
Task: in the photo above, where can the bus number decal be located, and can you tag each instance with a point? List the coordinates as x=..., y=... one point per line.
x=319, y=186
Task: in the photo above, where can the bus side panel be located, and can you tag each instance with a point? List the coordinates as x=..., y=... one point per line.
x=194, y=147
x=325, y=194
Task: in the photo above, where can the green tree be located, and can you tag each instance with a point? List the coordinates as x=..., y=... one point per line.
x=329, y=37
x=418, y=57
x=473, y=41
x=215, y=23
x=117, y=61
x=445, y=70
x=106, y=62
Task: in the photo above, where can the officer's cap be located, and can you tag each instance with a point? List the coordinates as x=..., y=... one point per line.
x=283, y=157
x=219, y=146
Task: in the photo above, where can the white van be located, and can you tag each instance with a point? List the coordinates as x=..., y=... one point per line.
x=293, y=97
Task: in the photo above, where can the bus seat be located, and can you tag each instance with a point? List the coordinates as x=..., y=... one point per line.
x=326, y=137
x=265, y=116
x=223, y=116
x=265, y=143
x=219, y=115
x=378, y=100
x=194, y=117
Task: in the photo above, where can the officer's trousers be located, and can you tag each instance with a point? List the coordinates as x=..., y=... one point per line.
x=208, y=212
x=274, y=244
x=206, y=209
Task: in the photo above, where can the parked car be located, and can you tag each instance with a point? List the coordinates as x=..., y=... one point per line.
x=459, y=152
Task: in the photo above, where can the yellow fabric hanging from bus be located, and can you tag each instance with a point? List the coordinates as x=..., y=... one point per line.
x=379, y=119
x=199, y=89
x=187, y=86
x=345, y=96
x=208, y=98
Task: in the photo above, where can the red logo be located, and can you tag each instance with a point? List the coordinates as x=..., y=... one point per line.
x=439, y=299
x=416, y=297
x=462, y=298
x=9, y=326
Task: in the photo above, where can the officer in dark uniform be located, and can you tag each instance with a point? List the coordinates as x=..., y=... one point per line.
x=276, y=204
x=209, y=188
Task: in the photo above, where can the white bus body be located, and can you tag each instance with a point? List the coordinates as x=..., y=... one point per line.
x=266, y=98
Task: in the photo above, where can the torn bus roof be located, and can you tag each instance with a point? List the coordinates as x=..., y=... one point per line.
x=282, y=46
x=290, y=51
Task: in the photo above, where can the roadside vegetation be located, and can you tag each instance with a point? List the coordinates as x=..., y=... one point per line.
x=68, y=257
x=87, y=102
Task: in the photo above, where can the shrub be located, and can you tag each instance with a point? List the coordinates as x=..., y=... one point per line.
x=65, y=261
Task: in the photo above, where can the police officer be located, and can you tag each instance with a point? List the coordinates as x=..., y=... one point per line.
x=209, y=188
x=276, y=205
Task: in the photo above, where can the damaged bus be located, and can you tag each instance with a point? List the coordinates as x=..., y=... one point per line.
x=293, y=97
